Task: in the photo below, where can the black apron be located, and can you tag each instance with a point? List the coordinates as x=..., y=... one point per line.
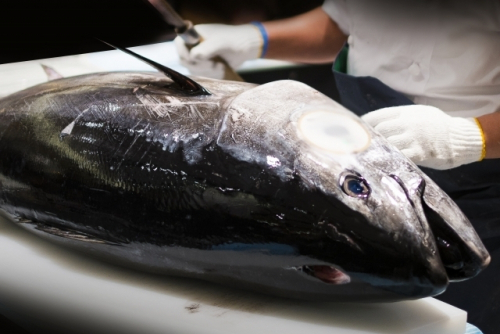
x=474, y=187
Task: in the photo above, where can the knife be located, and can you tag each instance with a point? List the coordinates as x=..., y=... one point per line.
x=186, y=31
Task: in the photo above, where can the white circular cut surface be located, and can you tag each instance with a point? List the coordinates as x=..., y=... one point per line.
x=333, y=132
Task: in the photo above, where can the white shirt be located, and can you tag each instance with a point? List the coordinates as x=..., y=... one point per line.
x=444, y=53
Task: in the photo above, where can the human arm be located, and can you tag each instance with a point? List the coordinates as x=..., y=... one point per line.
x=311, y=37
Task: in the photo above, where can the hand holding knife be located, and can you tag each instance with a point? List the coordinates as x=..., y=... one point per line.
x=186, y=31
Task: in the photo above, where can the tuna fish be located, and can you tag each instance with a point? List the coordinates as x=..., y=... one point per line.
x=275, y=188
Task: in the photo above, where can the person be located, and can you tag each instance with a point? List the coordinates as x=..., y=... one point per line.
x=425, y=74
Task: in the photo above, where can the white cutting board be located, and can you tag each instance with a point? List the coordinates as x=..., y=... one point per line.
x=44, y=286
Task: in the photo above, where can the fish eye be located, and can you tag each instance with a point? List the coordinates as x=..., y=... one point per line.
x=355, y=186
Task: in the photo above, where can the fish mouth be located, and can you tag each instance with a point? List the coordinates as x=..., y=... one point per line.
x=326, y=274
x=460, y=259
x=461, y=252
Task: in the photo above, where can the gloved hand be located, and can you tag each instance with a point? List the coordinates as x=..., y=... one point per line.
x=235, y=44
x=428, y=136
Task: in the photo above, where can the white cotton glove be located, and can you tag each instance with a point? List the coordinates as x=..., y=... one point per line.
x=235, y=44
x=428, y=136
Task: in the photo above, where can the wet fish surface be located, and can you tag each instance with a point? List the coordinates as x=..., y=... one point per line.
x=275, y=188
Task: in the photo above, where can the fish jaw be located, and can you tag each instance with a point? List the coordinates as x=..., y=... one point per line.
x=462, y=251
x=450, y=242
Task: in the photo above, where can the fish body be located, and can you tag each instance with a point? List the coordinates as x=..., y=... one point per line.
x=275, y=188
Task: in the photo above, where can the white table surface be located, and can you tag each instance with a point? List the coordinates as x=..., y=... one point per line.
x=46, y=286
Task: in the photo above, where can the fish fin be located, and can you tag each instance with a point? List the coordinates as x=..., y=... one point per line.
x=51, y=73
x=67, y=130
x=186, y=84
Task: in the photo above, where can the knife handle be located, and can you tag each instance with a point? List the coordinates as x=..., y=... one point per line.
x=188, y=34
x=192, y=38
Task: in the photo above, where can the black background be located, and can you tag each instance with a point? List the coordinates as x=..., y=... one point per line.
x=32, y=29
x=35, y=29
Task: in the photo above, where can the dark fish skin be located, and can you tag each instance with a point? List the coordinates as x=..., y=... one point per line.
x=128, y=167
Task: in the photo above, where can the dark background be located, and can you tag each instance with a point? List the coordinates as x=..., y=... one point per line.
x=35, y=29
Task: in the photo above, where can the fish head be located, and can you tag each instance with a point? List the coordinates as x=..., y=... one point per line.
x=378, y=227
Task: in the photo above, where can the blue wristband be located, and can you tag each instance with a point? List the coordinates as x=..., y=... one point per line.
x=265, y=38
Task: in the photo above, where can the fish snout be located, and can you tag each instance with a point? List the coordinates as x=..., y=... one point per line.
x=462, y=251
x=458, y=246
